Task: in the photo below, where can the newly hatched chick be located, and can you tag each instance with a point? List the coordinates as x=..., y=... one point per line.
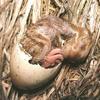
x=51, y=39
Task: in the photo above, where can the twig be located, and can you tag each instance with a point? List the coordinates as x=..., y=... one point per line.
x=2, y=7
x=25, y=17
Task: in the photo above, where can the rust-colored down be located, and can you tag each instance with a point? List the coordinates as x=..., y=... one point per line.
x=48, y=33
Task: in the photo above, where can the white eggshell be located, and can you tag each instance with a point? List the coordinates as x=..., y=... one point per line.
x=25, y=75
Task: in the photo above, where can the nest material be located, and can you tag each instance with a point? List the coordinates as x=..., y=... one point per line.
x=81, y=82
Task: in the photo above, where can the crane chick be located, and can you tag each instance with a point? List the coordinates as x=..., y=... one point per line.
x=51, y=39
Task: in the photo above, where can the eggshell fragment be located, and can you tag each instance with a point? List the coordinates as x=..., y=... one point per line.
x=28, y=76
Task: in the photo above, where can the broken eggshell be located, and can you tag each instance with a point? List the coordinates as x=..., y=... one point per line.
x=28, y=76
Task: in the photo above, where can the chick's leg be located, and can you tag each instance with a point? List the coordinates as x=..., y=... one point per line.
x=54, y=57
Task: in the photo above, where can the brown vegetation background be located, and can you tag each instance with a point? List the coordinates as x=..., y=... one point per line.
x=74, y=83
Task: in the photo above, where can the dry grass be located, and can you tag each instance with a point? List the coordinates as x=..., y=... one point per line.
x=81, y=82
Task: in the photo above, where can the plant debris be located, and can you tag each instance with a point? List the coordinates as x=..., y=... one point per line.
x=80, y=82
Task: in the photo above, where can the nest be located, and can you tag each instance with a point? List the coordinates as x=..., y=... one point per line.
x=78, y=82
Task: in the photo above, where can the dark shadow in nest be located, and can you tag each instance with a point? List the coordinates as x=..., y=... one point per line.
x=72, y=97
x=74, y=63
